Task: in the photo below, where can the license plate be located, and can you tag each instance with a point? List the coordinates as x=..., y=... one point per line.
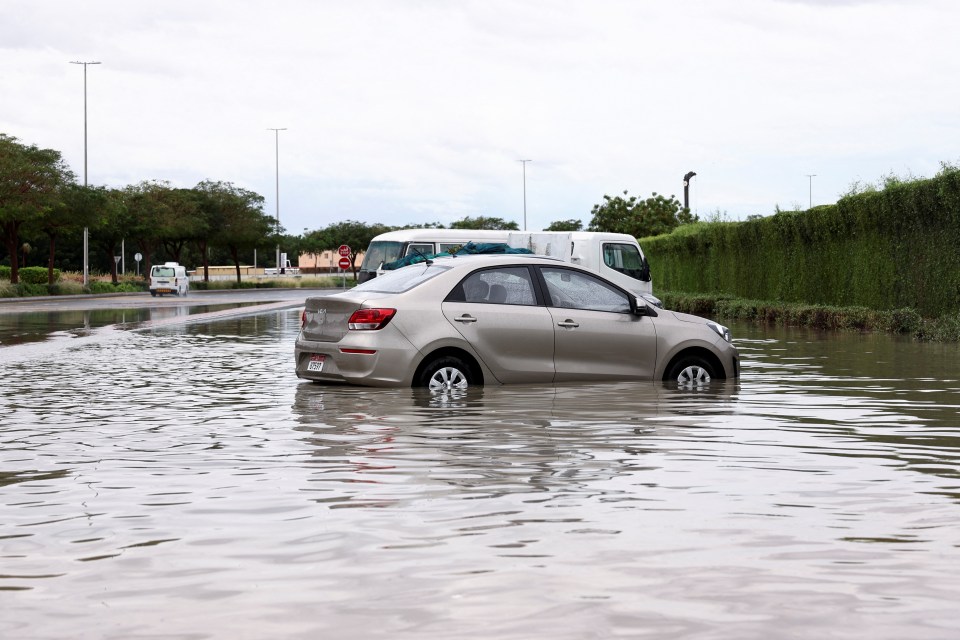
x=316, y=362
x=164, y=290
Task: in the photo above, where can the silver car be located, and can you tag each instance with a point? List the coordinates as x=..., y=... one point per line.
x=470, y=320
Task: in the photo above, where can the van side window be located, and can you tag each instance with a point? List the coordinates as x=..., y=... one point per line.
x=449, y=247
x=417, y=248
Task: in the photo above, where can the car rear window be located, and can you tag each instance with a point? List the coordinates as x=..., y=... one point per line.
x=402, y=279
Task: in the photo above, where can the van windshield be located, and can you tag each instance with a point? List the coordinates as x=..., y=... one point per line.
x=380, y=252
x=626, y=259
x=163, y=272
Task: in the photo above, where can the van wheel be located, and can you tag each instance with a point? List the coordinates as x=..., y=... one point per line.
x=690, y=371
x=446, y=373
x=153, y=293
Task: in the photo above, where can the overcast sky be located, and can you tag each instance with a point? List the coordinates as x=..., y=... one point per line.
x=408, y=111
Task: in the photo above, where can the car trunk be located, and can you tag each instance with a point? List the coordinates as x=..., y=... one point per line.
x=326, y=318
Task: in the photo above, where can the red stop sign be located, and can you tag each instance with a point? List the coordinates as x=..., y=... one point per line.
x=344, y=263
x=344, y=250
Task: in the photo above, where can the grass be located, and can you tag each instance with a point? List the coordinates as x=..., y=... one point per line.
x=71, y=283
x=898, y=321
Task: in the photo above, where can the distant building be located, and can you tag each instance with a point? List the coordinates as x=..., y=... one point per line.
x=325, y=262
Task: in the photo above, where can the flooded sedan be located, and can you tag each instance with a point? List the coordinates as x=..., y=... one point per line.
x=177, y=480
x=456, y=322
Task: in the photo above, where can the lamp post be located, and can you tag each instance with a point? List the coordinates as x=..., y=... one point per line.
x=276, y=136
x=524, y=162
x=810, y=177
x=86, y=230
x=686, y=189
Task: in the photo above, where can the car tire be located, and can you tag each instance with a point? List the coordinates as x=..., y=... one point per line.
x=446, y=373
x=153, y=293
x=691, y=371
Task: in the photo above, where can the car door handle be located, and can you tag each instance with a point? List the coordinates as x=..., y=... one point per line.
x=465, y=318
x=570, y=324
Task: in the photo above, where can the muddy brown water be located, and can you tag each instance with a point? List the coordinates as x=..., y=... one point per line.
x=178, y=481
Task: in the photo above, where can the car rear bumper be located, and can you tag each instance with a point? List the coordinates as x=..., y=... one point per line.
x=356, y=363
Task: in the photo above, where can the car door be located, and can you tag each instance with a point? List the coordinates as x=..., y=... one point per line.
x=596, y=337
x=496, y=310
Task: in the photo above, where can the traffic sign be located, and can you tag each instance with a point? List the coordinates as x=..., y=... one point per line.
x=344, y=263
x=344, y=250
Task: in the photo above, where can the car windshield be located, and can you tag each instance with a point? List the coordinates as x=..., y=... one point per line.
x=380, y=252
x=402, y=279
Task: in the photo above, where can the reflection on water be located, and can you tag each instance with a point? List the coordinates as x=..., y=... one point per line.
x=38, y=326
x=180, y=482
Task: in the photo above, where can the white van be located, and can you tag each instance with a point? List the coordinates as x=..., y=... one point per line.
x=169, y=277
x=616, y=256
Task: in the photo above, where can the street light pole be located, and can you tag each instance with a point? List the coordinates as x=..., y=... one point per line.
x=686, y=189
x=86, y=230
x=276, y=136
x=524, y=162
x=810, y=177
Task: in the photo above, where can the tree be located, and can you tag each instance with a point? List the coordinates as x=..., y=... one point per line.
x=640, y=218
x=31, y=180
x=114, y=222
x=144, y=203
x=572, y=224
x=78, y=207
x=349, y=232
x=483, y=222
x=241, y=222
x=179, y=222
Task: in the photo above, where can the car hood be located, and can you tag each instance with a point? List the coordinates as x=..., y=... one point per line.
x=685, y=317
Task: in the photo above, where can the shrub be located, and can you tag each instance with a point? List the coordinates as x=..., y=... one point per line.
x=4, y=272
x=903, y=321
x=27, y=289
x=37, y=275
x=98, y=286
x=65, y=288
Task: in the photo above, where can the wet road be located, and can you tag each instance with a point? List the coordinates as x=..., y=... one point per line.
x=175, y=480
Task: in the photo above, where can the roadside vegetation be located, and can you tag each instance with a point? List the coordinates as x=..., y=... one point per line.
x=907, y=322
x=33, y=282
x=885, y=257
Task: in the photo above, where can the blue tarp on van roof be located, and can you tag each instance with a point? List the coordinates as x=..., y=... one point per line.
x=470, y=248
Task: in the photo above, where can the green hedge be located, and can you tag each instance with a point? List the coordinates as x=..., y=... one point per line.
x=891, y=249
x=4, y=272
x=31, y=275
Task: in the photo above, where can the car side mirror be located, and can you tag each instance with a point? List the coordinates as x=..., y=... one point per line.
x=638, y=306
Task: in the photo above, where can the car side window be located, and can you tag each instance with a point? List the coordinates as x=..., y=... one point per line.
x=509, y=285
x=576, y=290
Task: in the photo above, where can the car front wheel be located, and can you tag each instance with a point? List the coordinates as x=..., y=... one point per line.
x=691, y=371
x=446, y=373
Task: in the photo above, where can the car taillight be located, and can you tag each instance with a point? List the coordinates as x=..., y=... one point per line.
x=303, y=319
x=370, y=319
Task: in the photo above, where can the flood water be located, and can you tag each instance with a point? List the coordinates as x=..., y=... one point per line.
x=180, y=482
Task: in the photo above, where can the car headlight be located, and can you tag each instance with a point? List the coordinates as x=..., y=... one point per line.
x=721, y=330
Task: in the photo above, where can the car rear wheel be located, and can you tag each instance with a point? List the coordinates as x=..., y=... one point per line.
x=691, y=371
x=446, y=373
